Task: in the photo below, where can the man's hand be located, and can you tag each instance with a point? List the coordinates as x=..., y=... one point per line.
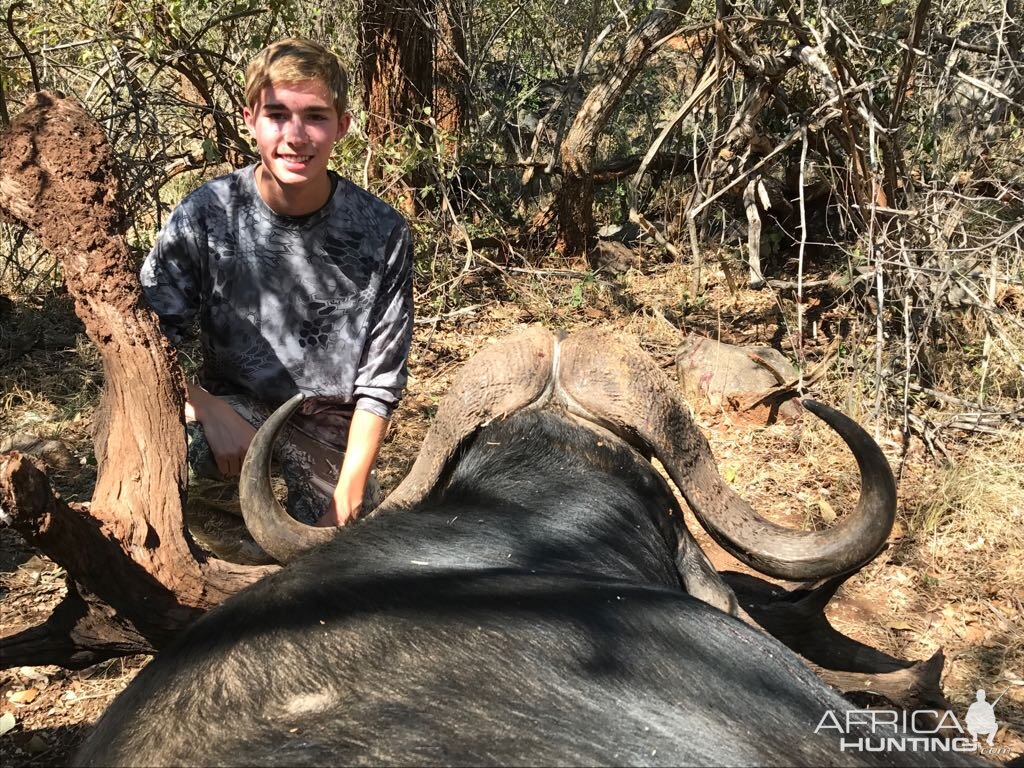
x=340, y=512
x=364, y=440
x=227, y=433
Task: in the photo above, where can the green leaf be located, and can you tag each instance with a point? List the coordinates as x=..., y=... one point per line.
x=577, y=295
x=210, y=152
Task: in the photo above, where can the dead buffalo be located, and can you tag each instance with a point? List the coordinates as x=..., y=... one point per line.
x=528, y=595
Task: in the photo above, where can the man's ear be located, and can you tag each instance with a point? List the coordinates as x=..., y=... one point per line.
x=344, y=123
x=249, y=117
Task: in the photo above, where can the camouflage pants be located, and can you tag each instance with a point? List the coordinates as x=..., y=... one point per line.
x=309, y=467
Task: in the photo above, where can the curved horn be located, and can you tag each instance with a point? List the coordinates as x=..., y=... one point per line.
x=616, y=384
x=281, y=536
x=502, y=379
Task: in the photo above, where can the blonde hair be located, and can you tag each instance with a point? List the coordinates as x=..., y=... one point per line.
x=292, y=60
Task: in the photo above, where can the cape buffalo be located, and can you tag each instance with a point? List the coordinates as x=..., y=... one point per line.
x=528, y=595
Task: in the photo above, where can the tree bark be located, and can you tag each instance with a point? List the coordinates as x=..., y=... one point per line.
x=58, y=178
x=451, y=78
x=396, y=55
x=80, y=632
x=576, y=198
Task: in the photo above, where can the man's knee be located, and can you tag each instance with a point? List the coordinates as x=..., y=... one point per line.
x=201, y=461
x=310, y=496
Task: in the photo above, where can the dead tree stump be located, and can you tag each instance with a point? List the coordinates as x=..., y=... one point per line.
x=135, y=576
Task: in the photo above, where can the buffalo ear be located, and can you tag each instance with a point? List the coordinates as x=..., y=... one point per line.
x=700, y=577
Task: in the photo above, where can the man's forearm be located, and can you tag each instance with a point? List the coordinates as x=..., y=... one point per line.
x=365, y=436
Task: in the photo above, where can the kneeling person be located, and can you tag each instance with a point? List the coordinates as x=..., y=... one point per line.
x=300, y=281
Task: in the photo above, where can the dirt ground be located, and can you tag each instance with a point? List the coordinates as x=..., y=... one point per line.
x=946, y=581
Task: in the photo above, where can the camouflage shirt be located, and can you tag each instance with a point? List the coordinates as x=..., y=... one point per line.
x=319, y=304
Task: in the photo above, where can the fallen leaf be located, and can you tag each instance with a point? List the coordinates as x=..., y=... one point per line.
x=35, y=566
x=37, y=744
x=24, y=697
x=34, y=675
x=825, y=510
x=7, y=722
x=977, y=634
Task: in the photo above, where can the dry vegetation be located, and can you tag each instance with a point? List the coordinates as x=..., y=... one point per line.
x=894, y=237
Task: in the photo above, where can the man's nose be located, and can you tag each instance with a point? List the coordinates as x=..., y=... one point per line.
x=296, y=129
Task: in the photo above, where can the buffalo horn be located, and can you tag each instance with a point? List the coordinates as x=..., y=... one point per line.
x=616, y=384
x=498, y=381
x=280, y=535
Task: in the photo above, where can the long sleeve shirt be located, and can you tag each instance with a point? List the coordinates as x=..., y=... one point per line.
x=319, y=304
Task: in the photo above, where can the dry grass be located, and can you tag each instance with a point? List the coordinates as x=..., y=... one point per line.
x=966, y=519
x=953, y=575
x=956, y=586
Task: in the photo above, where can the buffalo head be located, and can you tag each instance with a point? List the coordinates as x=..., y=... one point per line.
x=609, y=384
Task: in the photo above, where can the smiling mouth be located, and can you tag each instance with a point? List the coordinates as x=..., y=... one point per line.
x=295, y=158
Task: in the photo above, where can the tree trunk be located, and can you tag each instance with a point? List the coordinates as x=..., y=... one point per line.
x=396, y=56
x=130, y=548
x=576, y=198
x=451, y=78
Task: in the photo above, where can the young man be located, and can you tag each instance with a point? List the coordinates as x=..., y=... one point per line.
x=300, y=282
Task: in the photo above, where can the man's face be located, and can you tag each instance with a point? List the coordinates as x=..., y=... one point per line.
x=295, y=126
